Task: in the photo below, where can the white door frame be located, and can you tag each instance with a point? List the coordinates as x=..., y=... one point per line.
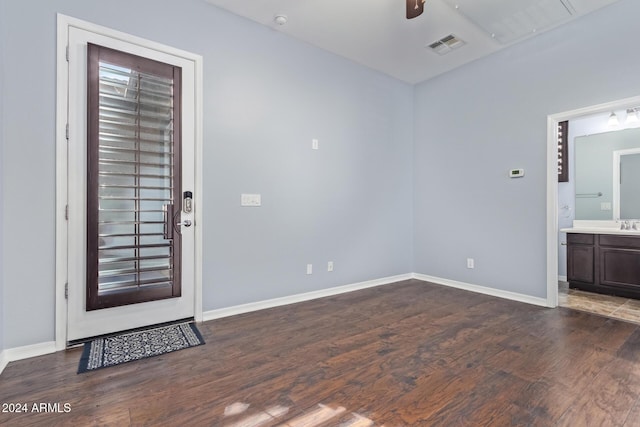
x=552, y=183
x=62, y=90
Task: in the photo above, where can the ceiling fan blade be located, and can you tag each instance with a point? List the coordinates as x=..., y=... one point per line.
x=414, y=8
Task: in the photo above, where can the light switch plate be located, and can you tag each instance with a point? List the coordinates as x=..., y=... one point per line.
x=250, y=200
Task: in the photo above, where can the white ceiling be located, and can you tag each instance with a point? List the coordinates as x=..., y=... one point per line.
x=376, y=33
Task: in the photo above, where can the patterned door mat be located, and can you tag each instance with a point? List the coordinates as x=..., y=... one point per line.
x=130, y=346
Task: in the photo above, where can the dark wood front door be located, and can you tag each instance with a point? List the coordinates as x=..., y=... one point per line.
x=133, y=179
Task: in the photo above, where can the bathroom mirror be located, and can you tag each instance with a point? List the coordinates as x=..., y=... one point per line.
x=607, y=175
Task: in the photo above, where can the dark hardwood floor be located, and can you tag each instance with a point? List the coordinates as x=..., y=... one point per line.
x=408, y=354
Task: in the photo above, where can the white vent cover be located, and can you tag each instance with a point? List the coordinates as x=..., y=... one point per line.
x=446, y=44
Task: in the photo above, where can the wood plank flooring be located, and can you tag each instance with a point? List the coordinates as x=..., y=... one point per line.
x=407, y=354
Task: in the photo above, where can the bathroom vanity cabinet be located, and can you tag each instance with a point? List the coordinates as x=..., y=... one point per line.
x=604, y=263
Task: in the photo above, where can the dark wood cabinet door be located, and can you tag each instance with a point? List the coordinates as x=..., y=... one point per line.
x=580, y=263
x=620, y=267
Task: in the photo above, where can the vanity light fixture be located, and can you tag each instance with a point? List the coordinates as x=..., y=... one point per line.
x=613, y=120
x=632, y=116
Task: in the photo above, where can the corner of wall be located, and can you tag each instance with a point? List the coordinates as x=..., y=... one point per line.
x=412, y=166
x=25, y=352
x=2, y=180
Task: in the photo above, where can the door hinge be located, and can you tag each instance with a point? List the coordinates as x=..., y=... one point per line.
x=66, y=212
x=67, y=53
x=66, y=290
x=66, y=131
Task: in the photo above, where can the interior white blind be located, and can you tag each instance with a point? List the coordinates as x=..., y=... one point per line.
x=135, y=181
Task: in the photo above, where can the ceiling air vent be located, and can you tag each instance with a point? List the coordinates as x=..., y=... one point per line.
x=446, y=44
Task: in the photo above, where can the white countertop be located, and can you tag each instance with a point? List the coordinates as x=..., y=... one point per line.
x=599, y=227
x=601, y=230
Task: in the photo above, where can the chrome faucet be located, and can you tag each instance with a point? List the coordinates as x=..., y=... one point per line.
x=629, y=225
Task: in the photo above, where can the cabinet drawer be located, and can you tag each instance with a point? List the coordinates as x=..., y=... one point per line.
x=584, y=239
x=632, y=242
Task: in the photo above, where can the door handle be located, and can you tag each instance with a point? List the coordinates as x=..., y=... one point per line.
x=186, y=223
x=167, y=212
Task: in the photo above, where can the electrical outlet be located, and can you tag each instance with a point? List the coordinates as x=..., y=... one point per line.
x=330, y=266
x=470, y=263
x=309, y=268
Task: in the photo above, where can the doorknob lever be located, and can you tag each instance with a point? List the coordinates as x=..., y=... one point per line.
x=186, y=223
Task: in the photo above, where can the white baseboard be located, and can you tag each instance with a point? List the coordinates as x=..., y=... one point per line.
x=4, y=360
x=292, y=299
x=483, y=290
x=19, y=353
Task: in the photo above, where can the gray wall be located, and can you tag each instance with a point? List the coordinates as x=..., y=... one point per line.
x=2, y=139
x=475, y=123
x=265, y=97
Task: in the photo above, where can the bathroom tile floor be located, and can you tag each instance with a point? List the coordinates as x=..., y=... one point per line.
x=605, y=305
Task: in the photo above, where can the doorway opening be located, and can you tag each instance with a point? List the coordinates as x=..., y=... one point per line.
x=561, y=210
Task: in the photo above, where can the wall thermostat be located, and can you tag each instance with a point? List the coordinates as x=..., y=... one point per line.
x=516, y=173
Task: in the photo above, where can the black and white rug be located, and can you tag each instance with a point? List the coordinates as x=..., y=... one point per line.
x=130, y=346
